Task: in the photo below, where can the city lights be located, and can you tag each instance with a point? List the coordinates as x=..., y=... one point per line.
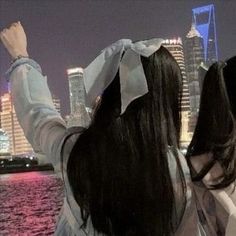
x=74, y=70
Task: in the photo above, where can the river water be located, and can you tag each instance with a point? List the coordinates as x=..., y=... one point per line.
x=29, y=203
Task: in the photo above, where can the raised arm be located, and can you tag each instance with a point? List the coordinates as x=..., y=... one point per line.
x=43, y=126
x=14, y=40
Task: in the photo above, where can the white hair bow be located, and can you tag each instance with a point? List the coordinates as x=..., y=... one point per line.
x=101, y=72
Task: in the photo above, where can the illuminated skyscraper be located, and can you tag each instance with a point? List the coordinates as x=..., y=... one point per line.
x=79, y=115
x=4, y=143
x=175, y=47
x=204, y=19
x=194, y=56
x=9, y=123
x=57, y=103
x=76, y=87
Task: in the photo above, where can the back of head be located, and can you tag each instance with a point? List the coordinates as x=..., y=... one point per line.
x=118, y=168
x=215, y=128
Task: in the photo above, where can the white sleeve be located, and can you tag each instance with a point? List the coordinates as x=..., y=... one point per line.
x=42, y=124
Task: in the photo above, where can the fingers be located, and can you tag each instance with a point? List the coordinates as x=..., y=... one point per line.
x=13, y=25
x=16, y=24
x=3, y=33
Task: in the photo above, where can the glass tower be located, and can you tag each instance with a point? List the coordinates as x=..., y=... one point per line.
x=204, y=20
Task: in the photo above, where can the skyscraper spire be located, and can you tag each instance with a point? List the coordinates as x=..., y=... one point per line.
x=193, y=32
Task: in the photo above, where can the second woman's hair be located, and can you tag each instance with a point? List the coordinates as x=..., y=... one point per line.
x=118, y=169
x=215, y=130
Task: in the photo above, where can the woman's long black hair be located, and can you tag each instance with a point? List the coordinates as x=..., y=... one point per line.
x=215, y=130
x=118, y=168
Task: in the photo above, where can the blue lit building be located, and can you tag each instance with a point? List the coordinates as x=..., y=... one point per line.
x=204, y=20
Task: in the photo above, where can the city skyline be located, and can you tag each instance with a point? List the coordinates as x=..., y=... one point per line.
x=72, y=33
x=11, y=133
x=18, y=143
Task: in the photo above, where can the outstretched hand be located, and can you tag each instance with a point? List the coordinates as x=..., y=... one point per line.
x=15, y=41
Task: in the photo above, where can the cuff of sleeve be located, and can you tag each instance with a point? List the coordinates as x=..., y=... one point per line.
x=20, y=62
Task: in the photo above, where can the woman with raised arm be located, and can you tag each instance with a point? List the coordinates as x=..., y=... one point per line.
x=211, y=154
x=123, y=175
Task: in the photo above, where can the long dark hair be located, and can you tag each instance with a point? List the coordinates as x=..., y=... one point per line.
x=118, y=168
x=215, y=130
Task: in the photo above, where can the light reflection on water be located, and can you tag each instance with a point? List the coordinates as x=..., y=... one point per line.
x=29, y=203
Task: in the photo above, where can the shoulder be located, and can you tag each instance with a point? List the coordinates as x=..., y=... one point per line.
x=200, y=162
x=67, y=145
x=70, y=139
x=175, y=156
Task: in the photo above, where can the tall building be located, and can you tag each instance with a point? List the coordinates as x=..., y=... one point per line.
x=79, y=115
x=9, y=123
x=4, y=143
x=204, y=19
x=175, y=47
x=76, y=88
x=57, y=103
x=194, y=57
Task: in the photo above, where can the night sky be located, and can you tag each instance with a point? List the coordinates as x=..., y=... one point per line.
x=65, y=33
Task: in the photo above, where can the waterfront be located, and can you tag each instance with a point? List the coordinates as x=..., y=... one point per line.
x=29, y=203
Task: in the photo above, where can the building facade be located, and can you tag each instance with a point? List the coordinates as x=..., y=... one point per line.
x=4, y=143
x=9, y=123
x=57, y=103
x=175, y=47
x=194, y=58
x=204, y=20
x=78, y=115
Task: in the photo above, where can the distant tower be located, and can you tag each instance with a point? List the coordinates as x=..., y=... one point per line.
x=9, y=123
x=194, y=57
x=204, y=20
x=76, y=87
x=57, y=103
x=175, y=47
x=4, y=143
x=79, y=115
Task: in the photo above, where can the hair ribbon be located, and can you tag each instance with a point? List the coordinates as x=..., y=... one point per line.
x=123, y=55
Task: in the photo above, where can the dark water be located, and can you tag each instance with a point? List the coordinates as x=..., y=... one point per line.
x=29, y=203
